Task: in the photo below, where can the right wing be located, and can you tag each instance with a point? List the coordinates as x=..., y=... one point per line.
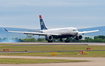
x=88, y=31
x=32, y=33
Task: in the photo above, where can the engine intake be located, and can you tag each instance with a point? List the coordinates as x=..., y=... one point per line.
x=78, y=37
x=49, y=38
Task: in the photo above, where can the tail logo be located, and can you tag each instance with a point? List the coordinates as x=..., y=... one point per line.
x=41, y=23
x=43, y=27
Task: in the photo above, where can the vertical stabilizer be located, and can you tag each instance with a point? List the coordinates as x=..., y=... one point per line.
x=42, y=25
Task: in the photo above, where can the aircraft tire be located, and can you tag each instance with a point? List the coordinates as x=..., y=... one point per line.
x=61, y=40
x=67, y=41
x=50, y=41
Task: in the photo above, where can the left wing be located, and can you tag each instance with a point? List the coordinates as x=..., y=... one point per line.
x=34, y=30
x=88, y=31
x=32, y=33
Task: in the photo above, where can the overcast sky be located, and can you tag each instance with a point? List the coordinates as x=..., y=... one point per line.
x=56, y=13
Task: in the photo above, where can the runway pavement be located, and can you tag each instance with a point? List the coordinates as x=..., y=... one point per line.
x=57, y=43
x=93, y=61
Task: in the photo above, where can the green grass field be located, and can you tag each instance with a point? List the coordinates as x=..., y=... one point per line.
x=60, y=54
x=34, y=61
x=19, y=47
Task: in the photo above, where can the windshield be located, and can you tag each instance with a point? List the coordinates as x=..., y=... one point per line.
x=74, y=29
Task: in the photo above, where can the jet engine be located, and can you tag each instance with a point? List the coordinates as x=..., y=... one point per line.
x=78, y=37
x=49, y=38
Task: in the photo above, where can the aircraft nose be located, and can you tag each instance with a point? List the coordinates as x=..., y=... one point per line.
x=77, y=33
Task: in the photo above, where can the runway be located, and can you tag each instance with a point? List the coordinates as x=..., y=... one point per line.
x=56, y=43
x=93, y=61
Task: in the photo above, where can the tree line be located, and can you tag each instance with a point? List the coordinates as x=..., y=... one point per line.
x=27, y=39
x=100, y=38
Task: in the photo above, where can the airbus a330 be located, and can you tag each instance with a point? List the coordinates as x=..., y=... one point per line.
x=56, y=33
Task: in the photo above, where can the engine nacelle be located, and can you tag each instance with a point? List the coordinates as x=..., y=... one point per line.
x=49, y=38
x=78, y=37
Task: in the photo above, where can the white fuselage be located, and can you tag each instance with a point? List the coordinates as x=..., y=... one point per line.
x=62, y=31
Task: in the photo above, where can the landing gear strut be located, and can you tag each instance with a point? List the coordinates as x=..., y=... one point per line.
x=67, y=40
x=61, y=40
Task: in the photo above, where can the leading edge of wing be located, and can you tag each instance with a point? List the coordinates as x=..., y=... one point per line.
x=36, y=33
x=88, y=31
x=32, y=33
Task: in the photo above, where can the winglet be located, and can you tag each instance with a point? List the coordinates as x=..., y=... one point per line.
x=5, y=29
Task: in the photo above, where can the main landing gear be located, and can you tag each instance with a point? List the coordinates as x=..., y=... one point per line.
x=67, y=40
x=61, y=40
x=50, y=41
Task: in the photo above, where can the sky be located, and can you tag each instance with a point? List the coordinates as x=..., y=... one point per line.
x=56, y=13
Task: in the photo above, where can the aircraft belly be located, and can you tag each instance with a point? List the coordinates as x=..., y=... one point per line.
x=63, y=36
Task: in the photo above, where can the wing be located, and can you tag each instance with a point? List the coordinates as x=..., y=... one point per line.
x=88, y=31
x=32, y=33
x=34, y=30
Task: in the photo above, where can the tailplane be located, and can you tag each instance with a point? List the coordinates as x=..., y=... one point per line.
x=42, y=25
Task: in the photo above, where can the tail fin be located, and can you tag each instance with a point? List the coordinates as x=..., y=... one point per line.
x=42, y=25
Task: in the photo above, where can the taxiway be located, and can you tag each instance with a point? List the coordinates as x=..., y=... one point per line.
x=93, y=61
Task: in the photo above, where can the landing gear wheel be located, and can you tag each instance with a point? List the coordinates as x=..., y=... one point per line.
x=50, y=41
x=73, y=40
x=67, y=41
x=61, y=40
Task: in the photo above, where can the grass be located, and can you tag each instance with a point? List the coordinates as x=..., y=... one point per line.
x=34, y=61
x=31, y=47
x=59, y=54
x=43, y=47
x=19, y=47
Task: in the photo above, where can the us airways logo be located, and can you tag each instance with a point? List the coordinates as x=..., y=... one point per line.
x=41, y=23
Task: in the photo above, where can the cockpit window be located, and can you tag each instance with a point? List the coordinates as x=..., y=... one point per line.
x=74, y=29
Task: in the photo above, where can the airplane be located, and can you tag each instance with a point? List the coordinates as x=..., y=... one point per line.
x=56, y=33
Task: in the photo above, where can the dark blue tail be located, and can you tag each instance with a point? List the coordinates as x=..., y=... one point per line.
x=42, y=25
